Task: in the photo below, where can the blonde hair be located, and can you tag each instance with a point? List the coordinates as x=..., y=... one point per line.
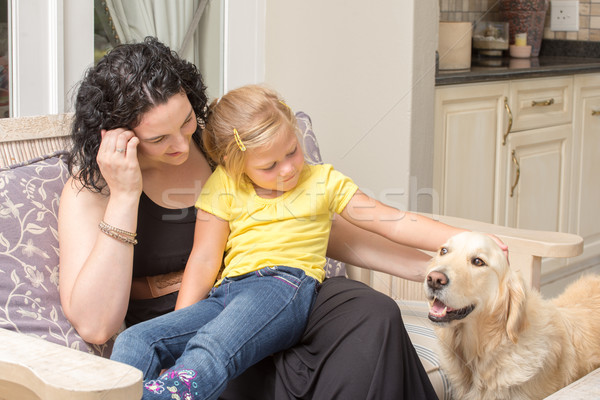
x=256, y=113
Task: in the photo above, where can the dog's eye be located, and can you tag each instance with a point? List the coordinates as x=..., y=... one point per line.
x=443, y=250
x=478, y=262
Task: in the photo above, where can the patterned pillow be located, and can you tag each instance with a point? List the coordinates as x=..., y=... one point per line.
x=29, y=300
x=312, y=155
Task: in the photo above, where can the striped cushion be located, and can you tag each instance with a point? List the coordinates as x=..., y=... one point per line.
x=420, y=330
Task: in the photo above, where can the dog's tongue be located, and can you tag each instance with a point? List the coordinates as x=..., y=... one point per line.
x=439, y=309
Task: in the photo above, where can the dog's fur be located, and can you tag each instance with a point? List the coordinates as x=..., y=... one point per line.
x=500, y=339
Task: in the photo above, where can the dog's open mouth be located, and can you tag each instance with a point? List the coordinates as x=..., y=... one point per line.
x=439, y=312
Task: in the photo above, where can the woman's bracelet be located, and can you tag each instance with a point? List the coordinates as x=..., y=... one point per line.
x=119, y=234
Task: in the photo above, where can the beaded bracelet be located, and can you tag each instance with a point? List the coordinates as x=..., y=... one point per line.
x=119, y=234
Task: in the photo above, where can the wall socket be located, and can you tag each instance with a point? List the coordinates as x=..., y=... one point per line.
x=564, y=15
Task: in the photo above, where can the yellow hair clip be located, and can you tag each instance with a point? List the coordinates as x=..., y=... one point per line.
x=238, y=141
x=282, y=102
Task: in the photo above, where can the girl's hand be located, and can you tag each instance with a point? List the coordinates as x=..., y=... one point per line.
x=118, y=162
x=500, y=243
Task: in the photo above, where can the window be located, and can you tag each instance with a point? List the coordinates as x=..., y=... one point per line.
x=105, y=34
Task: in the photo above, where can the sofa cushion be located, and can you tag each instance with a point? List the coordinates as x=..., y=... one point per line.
x=312, y=155
x=29, y=299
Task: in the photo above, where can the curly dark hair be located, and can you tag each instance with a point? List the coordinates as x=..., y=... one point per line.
x=125, y=84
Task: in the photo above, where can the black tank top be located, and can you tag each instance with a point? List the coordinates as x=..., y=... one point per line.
x=165, y=239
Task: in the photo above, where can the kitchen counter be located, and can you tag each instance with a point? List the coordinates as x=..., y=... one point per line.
x=556, y=58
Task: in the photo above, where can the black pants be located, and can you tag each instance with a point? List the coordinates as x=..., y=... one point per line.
x=355, y=346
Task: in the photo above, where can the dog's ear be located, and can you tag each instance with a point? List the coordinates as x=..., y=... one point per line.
x=516, y=319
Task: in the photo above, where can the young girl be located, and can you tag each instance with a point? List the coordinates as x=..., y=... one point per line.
x=270, y=214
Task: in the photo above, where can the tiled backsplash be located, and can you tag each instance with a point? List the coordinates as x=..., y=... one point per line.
x=487, y=10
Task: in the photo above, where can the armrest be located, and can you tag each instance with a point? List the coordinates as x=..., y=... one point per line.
x=32, y=368
x=526, y=247
x=537, y=243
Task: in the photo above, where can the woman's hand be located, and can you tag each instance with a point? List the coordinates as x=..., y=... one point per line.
x=118, y=162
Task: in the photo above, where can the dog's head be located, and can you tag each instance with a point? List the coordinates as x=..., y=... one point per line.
x=470, y=277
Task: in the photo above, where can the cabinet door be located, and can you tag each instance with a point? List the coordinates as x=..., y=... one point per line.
x=468, y=131
x=585, y=217
x=537, y=187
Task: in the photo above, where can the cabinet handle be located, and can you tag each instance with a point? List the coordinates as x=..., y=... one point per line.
x=542, y=103
x=510, y=120
x=595, y=113
x=518, y=173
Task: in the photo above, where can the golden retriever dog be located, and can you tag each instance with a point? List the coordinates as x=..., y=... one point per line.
x=499, y=338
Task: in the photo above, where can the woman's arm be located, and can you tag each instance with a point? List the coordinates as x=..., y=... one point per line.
x=96, y=269
x=375, y=236
x=353, y=245
x=202, y=268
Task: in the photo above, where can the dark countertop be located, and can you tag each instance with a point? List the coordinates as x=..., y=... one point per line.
x=556, y=58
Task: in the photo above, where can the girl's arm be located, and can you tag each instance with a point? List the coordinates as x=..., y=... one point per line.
x=402, y=227
x=202, y=268
x=375, y=236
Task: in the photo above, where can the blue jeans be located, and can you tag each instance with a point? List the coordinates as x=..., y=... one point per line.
x=244, y=320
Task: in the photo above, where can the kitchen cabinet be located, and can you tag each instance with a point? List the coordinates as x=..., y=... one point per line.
x=584, y=217
x=536, y=192
x=469, y=125
x=523, y=153
x=538, y=155
x=490, y=139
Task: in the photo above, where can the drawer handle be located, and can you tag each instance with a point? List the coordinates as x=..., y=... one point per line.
x=517, y=173
x=510, y=120
x=542, y=103
x=595, y=113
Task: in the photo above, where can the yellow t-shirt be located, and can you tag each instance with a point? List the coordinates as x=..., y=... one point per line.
x=291, y=230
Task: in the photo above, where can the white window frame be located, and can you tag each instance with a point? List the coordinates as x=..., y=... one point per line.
x=36, y=67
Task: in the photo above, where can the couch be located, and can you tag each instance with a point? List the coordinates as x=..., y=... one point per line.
x=43, y=357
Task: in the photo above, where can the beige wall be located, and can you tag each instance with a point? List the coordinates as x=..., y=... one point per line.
x=354, y=66
x=423, y=94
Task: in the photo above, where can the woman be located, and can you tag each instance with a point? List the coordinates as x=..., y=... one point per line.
x=126, y=225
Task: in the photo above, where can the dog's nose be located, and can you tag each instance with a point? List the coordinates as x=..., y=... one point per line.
x=436, y=280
